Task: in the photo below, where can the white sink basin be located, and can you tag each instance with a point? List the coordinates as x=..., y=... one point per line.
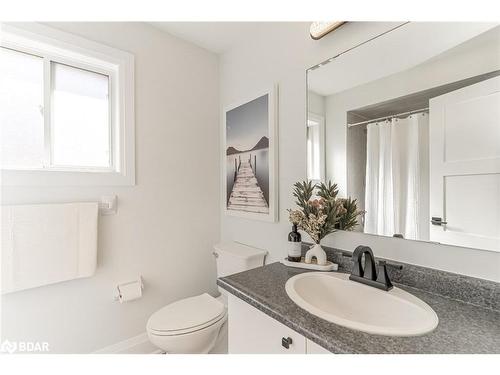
x=335, y=298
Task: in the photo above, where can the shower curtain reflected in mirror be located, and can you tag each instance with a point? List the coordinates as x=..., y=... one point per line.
x=397, y=177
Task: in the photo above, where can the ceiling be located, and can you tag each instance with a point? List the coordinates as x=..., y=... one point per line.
x=418, y=100
x=217, y=37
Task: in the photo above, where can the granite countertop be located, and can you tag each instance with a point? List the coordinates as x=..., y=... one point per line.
x=462, y=328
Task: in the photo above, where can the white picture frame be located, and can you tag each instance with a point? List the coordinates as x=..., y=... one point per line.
x=236, y=115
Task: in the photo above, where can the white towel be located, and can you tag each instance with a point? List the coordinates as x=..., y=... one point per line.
x=47, y=243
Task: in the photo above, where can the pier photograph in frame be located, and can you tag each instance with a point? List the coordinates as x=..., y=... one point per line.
x=250, y=157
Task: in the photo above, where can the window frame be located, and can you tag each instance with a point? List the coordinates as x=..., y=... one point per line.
x=55, y=46
x=320, y=123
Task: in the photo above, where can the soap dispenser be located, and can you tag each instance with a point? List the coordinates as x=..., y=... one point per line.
x=294, y=245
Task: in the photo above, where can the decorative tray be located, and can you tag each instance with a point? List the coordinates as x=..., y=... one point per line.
x=329, y=266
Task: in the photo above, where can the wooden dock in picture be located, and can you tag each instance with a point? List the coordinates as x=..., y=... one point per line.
x=247, y=195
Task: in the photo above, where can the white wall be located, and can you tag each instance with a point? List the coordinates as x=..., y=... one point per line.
x=166, y=224
x=281, y=53
x=316, y=103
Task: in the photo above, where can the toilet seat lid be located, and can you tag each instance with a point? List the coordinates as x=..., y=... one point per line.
x=186, y=314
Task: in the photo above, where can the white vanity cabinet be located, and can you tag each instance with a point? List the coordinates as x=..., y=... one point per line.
x=313, y=348
x=253, y=332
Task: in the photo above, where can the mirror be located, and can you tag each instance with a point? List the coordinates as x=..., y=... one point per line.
x=408, y=124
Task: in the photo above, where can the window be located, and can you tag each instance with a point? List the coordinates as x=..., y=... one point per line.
x=80, y=118
x=21, y=110
x=66, y=110
x=315, y=148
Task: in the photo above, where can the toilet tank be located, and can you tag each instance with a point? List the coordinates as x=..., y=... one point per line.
x=233, y=257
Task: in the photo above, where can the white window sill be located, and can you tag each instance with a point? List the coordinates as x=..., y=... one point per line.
x=65, y=178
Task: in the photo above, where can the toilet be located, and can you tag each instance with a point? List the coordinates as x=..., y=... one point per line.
x=195, y=325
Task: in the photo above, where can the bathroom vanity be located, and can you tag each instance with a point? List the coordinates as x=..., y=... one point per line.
x=263, y=319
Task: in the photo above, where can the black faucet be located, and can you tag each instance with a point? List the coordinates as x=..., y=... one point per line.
x=369, y=274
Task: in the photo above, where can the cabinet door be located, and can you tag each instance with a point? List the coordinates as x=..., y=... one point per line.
x=253, y=332
x=313, y=348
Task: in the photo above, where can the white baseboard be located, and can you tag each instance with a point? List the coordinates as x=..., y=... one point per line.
x=139, y=344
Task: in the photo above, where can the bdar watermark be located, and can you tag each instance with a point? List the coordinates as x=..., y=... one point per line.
x=11, y=347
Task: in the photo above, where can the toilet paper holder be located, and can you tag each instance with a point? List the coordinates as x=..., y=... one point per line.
x=118, y=293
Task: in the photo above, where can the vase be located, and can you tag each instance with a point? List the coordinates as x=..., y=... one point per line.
x=316, y=252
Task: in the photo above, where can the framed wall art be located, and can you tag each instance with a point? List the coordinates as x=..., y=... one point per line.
x=250, y=157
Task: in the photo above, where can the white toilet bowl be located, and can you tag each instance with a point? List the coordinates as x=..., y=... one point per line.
x=198, y=324
x=187, y=326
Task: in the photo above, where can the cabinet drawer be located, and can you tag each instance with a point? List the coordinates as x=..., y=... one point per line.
x=253, y=332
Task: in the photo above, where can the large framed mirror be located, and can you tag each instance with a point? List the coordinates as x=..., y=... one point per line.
x=408, y=124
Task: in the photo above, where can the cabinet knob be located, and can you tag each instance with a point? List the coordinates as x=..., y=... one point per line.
x=286, y=342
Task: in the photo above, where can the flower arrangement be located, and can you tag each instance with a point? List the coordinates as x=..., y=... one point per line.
x=324, y=214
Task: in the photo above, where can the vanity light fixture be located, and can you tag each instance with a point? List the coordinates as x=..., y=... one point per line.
x=319, y=29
